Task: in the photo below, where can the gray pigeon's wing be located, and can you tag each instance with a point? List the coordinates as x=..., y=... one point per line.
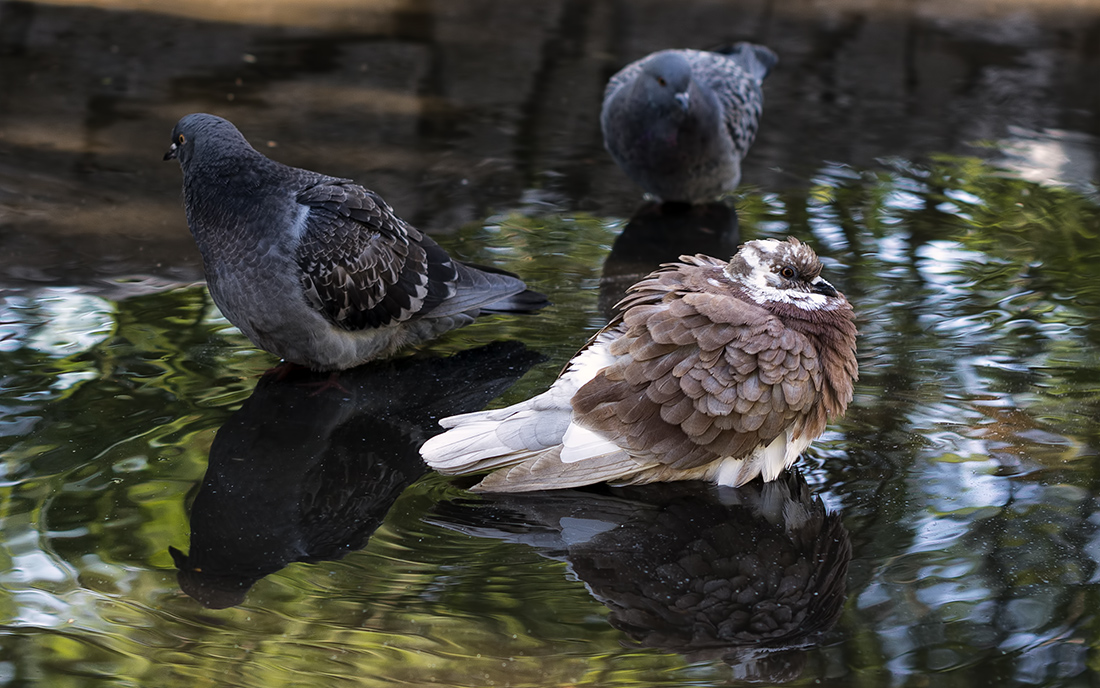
x=701, y=375
x=739, y=93
x=362, y=266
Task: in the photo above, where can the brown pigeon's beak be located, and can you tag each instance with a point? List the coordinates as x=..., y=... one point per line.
x=823, y=287
x=172, y=153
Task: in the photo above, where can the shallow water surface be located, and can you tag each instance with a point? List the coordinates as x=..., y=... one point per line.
x=169, y=515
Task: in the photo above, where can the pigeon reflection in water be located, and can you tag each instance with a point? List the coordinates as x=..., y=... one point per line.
x=660, y=233
x=743, y=574
x=302, y=473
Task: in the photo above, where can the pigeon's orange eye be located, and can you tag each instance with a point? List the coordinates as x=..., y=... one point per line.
x=180, y=139
x=787, y=272
x=661, y=81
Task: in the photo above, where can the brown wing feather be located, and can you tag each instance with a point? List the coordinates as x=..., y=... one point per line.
x=700, y=374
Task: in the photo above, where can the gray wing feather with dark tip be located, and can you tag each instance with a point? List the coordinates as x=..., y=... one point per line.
x=361, y=265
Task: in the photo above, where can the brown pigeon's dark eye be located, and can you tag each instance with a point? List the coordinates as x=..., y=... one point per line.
x=180, y=139
x=787, y=272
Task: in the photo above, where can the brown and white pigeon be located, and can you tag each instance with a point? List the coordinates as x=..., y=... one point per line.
x=711, y=371
x=678, y=122
x=317, y=269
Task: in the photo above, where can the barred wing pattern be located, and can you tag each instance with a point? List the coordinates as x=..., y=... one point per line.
x=362, y=266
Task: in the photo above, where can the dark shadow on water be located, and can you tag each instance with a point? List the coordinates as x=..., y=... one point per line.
x=660, y=233
x=750, y=575
x=309, y=465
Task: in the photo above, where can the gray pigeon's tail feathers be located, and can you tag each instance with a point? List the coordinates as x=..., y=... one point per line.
x=489, y=290
x=526, y=301
x=755, y=59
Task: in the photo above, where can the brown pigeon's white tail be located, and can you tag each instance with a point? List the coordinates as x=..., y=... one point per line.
x=487, y=440
x=476, y=442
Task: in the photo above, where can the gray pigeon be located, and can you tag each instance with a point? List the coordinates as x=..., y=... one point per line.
x=711, y=371
x=319, y=270
x=678, y=122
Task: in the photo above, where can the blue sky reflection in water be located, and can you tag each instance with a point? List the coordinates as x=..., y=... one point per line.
x=962, y=478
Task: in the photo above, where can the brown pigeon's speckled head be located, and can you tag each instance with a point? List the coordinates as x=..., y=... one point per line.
x=773, y=271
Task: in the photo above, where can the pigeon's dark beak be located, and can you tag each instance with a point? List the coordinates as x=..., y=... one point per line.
x=172, y=153
x=684, y=99
x=824, y=288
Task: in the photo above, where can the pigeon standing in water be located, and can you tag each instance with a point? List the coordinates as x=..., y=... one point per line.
x=319, y=270
x=678, y=122
x=711, y=371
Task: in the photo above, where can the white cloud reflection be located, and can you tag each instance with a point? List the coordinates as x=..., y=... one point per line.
x=1052, y=156
x=57, y=321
